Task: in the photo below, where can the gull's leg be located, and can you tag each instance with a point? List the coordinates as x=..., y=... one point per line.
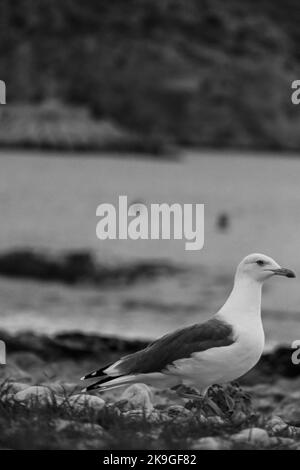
x=200, y=397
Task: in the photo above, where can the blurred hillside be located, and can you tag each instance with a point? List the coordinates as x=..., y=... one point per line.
x=183, y=72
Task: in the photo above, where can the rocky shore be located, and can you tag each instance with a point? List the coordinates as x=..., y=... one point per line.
x=41, y=404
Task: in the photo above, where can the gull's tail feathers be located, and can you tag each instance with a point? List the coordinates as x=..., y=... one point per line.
x=97, y=373
x=108, y=383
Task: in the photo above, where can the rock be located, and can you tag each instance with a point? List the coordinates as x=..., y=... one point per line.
x=282, y=441
x=290, y=413
x=62, y=425
x=9, y=389
x=252, y=436
x=63, y=389
x=83, y=402
x=13, y=387
x=210, y=443
x=293, y=431
x=276, y=425
x=215, y=421
x=8, y=398
x=239, y=417
x=137, y=397
x=36, y=395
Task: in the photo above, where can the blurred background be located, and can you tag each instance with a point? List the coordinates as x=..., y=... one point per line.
x=163, y=101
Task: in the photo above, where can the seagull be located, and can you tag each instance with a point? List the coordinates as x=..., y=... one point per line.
x=217, y=351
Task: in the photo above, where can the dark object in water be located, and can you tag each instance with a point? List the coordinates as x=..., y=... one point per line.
x=223, y=221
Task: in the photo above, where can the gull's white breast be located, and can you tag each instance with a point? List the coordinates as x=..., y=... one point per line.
x=222, y=364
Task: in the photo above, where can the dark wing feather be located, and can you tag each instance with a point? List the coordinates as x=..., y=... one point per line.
x=177, y=345
x=97, y=373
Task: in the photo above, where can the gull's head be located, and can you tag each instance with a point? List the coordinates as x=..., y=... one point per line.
x=258, y=267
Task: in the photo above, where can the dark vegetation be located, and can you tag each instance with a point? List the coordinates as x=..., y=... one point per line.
x=59, y=426
x=58, y=362
x=167, y=72
x=79, y=267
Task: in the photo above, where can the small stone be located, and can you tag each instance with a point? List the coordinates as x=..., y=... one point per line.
x=8, y=398
x=252, y=436
x=281, y=441
x=239, y=417
x=63, y=389
x=290, y=413
x=14, y=387
x=276, y=425
x=9, y=389
x=83, y=402
x=35, y=395
x=215, y=421
x=63, y=424
x=137, y=397
x=87, y=428
x=210, y=443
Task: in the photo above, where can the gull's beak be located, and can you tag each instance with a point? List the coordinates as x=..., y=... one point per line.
x=283, y=272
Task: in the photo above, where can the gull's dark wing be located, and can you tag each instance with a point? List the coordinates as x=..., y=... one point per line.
x=161, y=353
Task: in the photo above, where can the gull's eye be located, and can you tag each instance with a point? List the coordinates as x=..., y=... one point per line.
x=260, y=262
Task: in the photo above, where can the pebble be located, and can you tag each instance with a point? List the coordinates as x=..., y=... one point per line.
x=137, y=397
x=14, y=387
x=282, y=441
x=83, y=402
x=63, y=389
x=252, y=436
x=210, y=443
x=276, y=425
x=35, y=395
x=89, y=428
x=290, y=413
x=239, y=417
x=215, y=421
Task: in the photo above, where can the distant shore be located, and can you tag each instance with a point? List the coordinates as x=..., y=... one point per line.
x=56, y=127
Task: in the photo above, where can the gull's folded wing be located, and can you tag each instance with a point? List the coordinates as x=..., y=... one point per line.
x=160, y=354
